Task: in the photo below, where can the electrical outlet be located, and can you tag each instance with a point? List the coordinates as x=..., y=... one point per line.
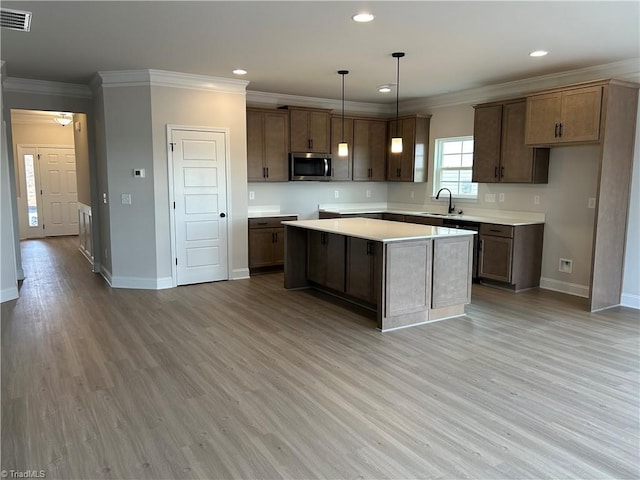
x=536, y=199
x=490, y=197
x=368, y=193
x=565, y=265
x=336, y=194
x=591, y=203
x=413, y=194
x=252, y=195
x=501, y=197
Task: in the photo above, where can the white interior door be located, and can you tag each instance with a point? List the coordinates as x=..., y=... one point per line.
x=200, y=208
x=59, y=192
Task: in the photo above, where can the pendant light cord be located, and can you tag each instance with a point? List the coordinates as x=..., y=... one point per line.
x=397, y=95
x=343, y=108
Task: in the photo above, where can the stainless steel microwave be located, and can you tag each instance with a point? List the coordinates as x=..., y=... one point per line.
x=310, y=166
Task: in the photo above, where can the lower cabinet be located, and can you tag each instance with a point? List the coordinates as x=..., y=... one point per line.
x=326, y=259
x=266, y=243
x=361, y=269
x=511, y=255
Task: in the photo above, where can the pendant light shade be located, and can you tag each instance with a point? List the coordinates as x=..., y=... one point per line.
x=343, y=147
x=63, y=120
x=396, y=140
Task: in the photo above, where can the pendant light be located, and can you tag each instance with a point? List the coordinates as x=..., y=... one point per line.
x=63, y=120
x=396, y=141
x=343, y=147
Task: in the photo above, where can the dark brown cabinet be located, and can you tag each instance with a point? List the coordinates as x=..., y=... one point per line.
x=435, y=222
x=267, y=145
x=266, y=243
x=310, y=130
x=361, y=269
x=499, y=151
x=566, y=116
x=511, y=255
x=411, y=165
x=326, y=259
x=341, y=166
x=369, y=150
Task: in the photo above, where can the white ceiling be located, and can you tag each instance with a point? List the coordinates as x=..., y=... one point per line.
x=296, y=47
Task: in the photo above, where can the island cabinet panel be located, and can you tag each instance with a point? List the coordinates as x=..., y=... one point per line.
x=326, y=259
x=362, y=256
x=567, y=116
x=452, y=262
x=369, y=150
x=408, y=278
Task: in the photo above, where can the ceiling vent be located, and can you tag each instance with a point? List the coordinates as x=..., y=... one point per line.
x=15, y=19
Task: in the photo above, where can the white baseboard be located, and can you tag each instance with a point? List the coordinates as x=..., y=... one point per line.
x=631, y=301
x=106, y=274
x=20, y=273
x=564, y=287
x=240, y=274
x=141, y=283
x=10, y=293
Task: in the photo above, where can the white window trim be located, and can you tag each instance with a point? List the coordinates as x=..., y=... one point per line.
x=438, y=168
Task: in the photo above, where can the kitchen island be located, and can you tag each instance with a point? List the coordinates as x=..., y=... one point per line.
x=408, y=274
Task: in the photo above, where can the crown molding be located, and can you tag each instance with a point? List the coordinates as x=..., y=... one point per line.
x=161, y=78
x=628, y=70
x=44, y=87
x=265, y=99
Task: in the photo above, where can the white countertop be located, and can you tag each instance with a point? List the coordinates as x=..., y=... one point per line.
x=378, y=230
x=511, y=218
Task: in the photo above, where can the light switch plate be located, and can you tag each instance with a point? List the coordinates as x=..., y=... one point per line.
x=490, y=197
x=126, y=199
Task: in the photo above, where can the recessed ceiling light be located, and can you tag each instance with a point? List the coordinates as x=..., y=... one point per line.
x=363, y=17
x=384, y=89
x=240, y=71
x=538, y=53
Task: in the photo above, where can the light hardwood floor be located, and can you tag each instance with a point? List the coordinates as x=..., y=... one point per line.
x=244, y=379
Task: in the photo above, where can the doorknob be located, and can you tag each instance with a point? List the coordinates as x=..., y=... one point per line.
x=222, y=215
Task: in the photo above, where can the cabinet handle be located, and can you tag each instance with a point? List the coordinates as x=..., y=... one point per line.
x=495, y=172
x=263, y=223
x=311, y=143
x=275, y=237
x=501, y=172
x=555, y=132
x=398, y=173
x=560, y=131
x=264, y=172
x=494, y=230
x=267, y=172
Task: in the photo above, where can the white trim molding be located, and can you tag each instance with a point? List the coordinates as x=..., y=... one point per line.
x=141, y=283
x=44, y=87
x=161, y=78
x=10, y=293
x=630, y=300
x=240, y=274
x=564, y=287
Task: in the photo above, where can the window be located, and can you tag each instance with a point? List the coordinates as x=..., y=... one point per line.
x=32, y=195
x=453, y=163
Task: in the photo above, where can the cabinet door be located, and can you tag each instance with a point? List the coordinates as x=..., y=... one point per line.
x=377, y=150
x=299, y=130
x=335, y=261
x=319, y=132
x=408, y=157
x=394, y=160
x=487, y=132
x=452, y=263
x=360, y=268
x=278, y=246
x=495, y=258
x=581, y=115
x=316, y=257
x=341, y=166
x=516, y=158
x=261, y=247
x=276, y=146
x=543, y=118
x=255, y=146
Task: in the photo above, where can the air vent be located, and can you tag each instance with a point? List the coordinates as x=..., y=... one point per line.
x=15, y=19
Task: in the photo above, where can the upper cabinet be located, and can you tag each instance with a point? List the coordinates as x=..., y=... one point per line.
x=369, y=150
x=310, y=130
x=267, y=145
x=566, y=116
x=341, y=166
x=499, y=152
x=411, y=165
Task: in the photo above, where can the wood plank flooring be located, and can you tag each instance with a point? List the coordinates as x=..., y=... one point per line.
x=247, y=380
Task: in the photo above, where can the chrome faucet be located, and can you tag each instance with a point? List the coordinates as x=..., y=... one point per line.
x=452, y=208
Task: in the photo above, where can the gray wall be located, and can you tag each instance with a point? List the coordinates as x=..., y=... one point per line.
x=631, y=280
x=81, y=145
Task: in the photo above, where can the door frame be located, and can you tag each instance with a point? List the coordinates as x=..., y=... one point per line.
x=23, y=222
x=172, y=217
